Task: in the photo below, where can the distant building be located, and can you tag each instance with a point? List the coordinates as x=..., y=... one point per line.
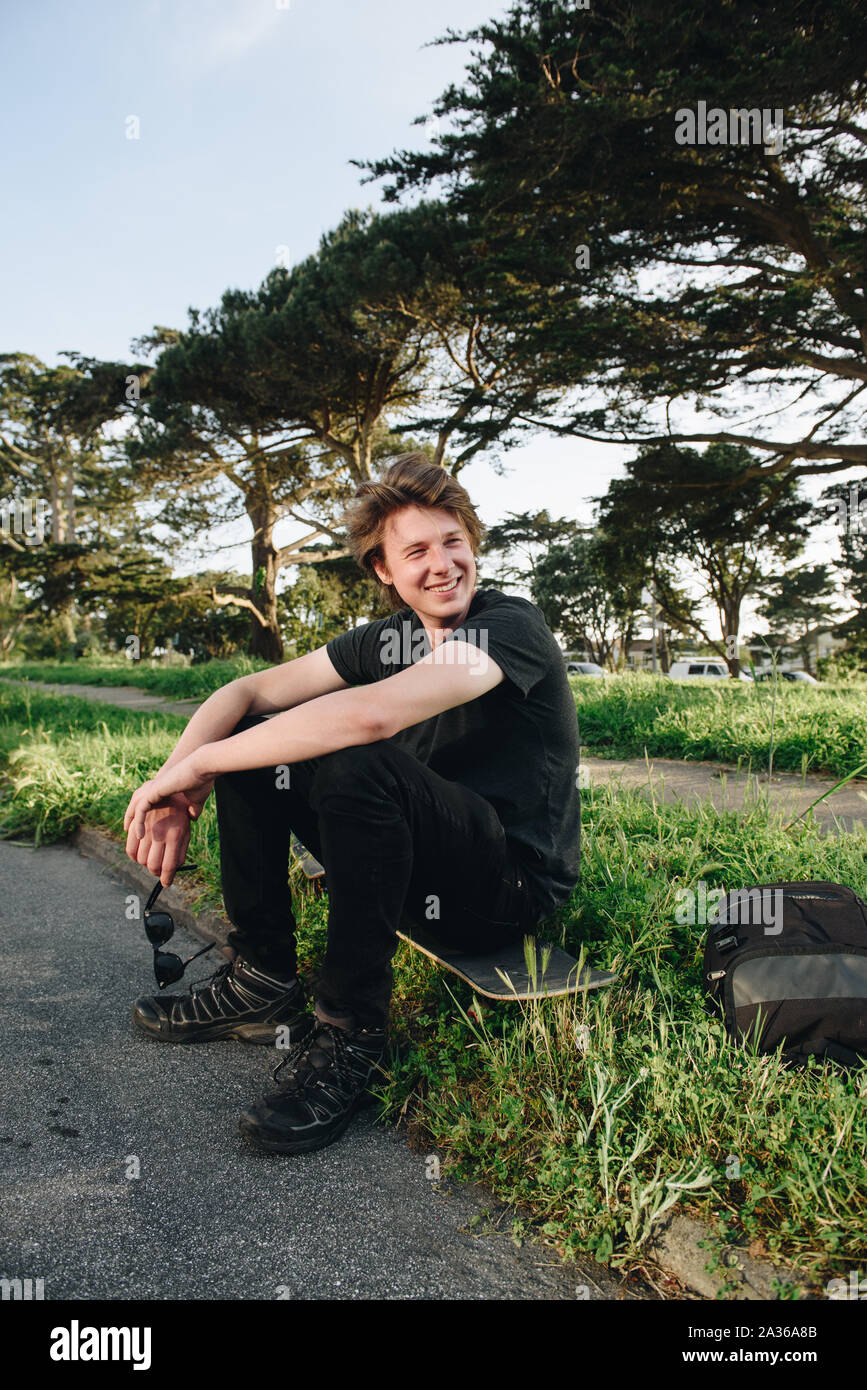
x=639, y=656
x=820, y=642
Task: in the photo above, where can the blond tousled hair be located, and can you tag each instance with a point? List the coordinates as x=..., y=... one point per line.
x=411, y=481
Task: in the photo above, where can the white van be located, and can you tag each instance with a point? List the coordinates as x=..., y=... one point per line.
x=704, y=670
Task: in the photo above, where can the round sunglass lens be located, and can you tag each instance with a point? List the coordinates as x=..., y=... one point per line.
x=168, y=968
x=159, y=928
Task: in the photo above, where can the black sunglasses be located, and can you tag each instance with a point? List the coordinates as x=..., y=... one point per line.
x=160, y=928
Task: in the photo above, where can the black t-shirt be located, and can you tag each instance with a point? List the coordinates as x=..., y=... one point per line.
x=516, y=745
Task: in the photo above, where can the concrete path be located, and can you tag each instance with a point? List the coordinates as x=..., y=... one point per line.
x=670, y=779
x=727, y=789
x=88, y=1103
x=127, y=696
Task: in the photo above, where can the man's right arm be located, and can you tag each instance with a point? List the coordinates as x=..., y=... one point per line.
x=264, y=692
x=167, y=829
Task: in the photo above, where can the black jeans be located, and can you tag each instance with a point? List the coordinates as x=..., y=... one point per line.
x=395, y=838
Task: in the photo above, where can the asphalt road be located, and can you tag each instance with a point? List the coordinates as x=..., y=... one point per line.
x=208, y=1217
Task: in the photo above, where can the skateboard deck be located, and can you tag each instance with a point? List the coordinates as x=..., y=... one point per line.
x=511, y=972
x=508, y=973
x=312, y=870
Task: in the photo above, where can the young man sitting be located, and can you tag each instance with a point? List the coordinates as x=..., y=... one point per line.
x=427, y=759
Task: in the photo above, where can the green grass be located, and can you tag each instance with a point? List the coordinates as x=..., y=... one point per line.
x=594, y=1135
x=820, y=729
x=68, y=761
x=598, y=1144
x=178, y=682
x=816, y=728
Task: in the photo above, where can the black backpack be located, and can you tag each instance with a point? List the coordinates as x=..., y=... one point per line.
x=788, y=964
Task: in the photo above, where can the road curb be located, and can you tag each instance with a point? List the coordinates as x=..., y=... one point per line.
x=676, y=1249
x=95, y=844
x=675, y=1245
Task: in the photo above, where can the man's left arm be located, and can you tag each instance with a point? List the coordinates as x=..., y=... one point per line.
x=455, y=673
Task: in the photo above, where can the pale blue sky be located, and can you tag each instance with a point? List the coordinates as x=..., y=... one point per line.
x=248, y=116
x=248, y=113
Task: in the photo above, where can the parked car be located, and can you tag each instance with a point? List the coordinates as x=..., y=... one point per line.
x=703, y=670
x=584, y=668
x=799, y=677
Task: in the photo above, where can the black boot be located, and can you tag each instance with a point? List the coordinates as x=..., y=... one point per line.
x=330, y=1077
x=238, y=1001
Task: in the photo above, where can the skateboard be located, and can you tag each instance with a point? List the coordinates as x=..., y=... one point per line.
x=525, y=969
x=313, y=871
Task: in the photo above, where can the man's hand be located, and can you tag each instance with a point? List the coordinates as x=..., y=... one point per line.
x=158, y=820
x=162, y=848
x=185, y=779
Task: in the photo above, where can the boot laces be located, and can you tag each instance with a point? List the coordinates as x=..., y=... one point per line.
x=216, y=982
x=303, y=1072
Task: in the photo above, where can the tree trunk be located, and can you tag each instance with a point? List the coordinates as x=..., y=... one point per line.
x=70, y=504
x=58, y=529
x=731, y=609
x=67, y=623
x=665, y=650
x=265, y=640
x=626, y=636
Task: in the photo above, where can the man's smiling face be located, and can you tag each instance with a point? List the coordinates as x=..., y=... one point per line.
x=429, y=560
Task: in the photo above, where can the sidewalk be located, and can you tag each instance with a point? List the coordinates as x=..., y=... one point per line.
x=127, y=696
x=209, y=1217
x=729, y=790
